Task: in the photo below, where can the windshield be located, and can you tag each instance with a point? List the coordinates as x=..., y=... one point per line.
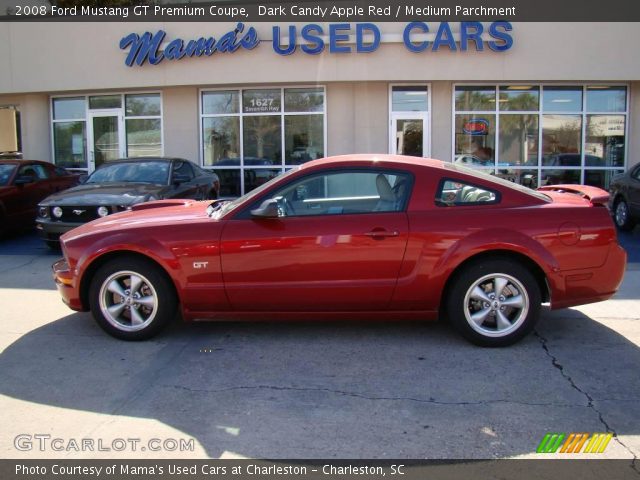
x=6, y=171
x=135, y=172
x=501, y=181
x=230, y=206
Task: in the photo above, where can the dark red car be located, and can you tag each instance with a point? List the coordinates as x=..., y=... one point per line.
x=353, y=237
x=23, y=184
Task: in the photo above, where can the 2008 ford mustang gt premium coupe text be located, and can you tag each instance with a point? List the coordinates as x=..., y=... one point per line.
x=351, y=237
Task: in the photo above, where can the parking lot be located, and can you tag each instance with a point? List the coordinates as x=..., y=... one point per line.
x=309, y=390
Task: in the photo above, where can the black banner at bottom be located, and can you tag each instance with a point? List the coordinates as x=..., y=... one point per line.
x=543, y=469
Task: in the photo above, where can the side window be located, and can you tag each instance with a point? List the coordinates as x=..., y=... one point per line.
x=182, y=169
x=453, y=192
x=344, y=193
x=36, y=171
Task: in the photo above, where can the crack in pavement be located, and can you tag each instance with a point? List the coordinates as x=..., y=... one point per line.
x=22, y=264
x=590, y=404
x=367, y=397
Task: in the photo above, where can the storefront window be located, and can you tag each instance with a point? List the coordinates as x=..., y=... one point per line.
x=105, y=101
x=220, y=102
x=76, y=120
x=69, y=108
x=144, y=138
x=221, y=139
x=303, y=99
x=561, y=140
x=519, y=98
x=475, y=98
x=142, y=105
x=606, y=99
x=410, y=98
x=518, y=140
x=605, y=140
x=304, y=139
x=244, y=132
x=475, y=140
x=544, y=134
x=562, y=99
x=262, y=140
x=69, y=139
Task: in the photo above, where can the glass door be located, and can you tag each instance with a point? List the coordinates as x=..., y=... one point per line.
x=408, y=134
x=106, y=137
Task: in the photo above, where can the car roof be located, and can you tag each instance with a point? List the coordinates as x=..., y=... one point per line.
x=19, y=161
x=143, y=159
x=376, y=157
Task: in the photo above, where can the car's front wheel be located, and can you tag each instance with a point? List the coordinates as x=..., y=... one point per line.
x=622, y=216
x=494, y=302
x=132, y=299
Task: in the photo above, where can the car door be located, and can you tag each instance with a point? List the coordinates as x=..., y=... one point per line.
x=182, y=179
x=337, y=244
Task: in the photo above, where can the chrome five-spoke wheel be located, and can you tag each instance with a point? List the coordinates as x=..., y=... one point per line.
x=494, y=302
x=132, y=298
x=128, y=301
x=496, y=305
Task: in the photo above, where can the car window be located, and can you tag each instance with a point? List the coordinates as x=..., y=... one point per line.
x=5, y=174
x=343, y=193
x=61, y=172
x=33, y=170
x=636, y=174
x=455, y=192
x=182, y=169
x=139, y=172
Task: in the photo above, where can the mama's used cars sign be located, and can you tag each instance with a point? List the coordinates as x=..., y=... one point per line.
x=313, y=39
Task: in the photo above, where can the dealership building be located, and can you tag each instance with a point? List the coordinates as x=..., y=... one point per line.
x=537, y=103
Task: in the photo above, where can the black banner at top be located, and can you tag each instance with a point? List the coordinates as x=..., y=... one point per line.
x=324, y=11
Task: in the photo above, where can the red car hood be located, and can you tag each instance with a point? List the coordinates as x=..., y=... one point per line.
x=150, y=214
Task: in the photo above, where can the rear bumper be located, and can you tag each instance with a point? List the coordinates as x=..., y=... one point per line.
x=578, y=287
x=67, y=285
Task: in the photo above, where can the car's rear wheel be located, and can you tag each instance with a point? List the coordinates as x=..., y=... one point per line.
x=622, y=216
x=132, y=299
x=494, y=303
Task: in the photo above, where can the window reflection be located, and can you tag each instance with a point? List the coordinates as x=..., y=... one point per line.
x=519, y=139
x=605, y=140
x=519, y=98
x=475, y=140
x=560, y=136
x=221, y=138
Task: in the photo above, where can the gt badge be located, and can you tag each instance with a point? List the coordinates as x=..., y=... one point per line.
x=197, y=265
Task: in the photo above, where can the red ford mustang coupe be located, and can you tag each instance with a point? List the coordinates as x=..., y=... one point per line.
x=351, y=237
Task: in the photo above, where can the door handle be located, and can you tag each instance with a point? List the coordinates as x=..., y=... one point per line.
x=381, y=233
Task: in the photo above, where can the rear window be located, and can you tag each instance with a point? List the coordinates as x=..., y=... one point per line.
x=497, y=180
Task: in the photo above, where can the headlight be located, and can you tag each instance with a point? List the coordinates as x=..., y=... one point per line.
x=43, y=212
x=103, y=211
x=57, y=212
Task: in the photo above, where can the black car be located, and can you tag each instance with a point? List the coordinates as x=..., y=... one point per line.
x=117, y=186
x=624, y=199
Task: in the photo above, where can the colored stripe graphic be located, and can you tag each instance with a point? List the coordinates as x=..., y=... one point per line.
x=573, y=443
x=550, y=442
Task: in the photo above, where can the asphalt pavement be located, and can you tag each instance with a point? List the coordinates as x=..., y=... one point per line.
x=309, y=389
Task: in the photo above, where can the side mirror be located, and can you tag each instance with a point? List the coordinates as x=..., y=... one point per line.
x=268, y=209
x=23, y=180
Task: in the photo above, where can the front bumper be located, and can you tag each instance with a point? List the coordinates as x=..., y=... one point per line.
x=51, y=230
x=67, y=285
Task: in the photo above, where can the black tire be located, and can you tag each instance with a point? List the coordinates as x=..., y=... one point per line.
x=154, y=299
x=504, y=324
x=622, y=216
